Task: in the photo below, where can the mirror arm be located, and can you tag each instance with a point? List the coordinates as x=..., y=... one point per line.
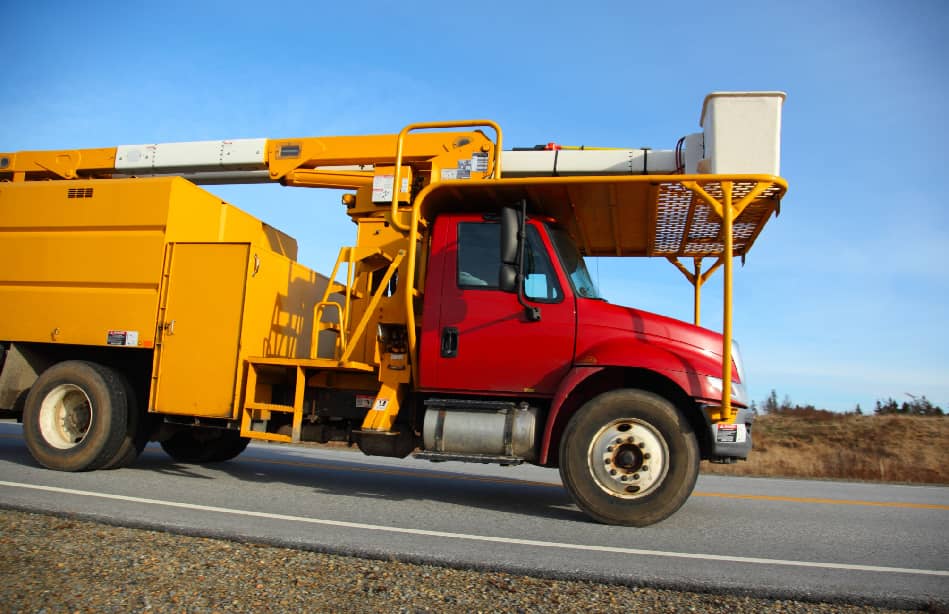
x=532, y=312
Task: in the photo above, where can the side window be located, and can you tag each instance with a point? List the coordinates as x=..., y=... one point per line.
x=479, y=255
x=540, y=281
x=479, y=260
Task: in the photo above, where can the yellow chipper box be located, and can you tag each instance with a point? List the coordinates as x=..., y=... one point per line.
x=150, y=264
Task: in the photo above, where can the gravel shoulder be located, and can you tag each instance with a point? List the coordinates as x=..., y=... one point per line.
x=56, y=564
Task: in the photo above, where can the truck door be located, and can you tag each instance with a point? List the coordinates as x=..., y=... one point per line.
x=197, y=358
x=477, y=338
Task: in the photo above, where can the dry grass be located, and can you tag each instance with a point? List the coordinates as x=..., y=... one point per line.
x=821, y=444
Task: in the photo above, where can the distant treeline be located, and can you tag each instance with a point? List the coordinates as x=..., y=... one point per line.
x=916, y=406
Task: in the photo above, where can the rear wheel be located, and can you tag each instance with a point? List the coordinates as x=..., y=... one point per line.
x=204, y=446
x=628, y=457
x=138, y=429
x=229, y=446
x=75, y=416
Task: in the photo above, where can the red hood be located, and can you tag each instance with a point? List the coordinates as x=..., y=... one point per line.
x=647, y=324
x=623, y=336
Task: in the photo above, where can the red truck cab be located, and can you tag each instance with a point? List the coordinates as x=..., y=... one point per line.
x=477, y=339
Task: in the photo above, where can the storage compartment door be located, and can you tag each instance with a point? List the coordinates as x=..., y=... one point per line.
x=201, y=318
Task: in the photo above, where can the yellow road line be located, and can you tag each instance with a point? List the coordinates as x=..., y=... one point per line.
x=919, y=506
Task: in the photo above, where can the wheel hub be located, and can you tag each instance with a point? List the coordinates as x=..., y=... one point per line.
x=65, y=416
x=629, y=458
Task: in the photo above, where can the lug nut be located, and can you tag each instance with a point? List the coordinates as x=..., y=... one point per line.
x=647, y=456
x=606, y=460
x=644, y=468
x=619, y=440
x=609, y=448
x=623, y=478
x=635, y=476
x=612, y=471
x=629, y=439
x=642, y=445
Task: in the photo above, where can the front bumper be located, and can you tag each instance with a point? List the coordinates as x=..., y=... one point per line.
x=731, y=441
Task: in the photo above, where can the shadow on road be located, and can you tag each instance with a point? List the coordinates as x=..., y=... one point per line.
x=383, y=482
x=342, y=478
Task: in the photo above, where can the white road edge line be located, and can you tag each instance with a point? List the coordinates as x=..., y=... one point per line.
x=479, y=538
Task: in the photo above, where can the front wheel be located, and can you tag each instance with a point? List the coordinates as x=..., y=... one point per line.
x=628, y=457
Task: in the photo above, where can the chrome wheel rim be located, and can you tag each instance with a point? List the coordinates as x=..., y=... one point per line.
x=65, y=416
x=628, y=458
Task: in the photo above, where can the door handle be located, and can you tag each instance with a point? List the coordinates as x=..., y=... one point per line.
x=449, y=342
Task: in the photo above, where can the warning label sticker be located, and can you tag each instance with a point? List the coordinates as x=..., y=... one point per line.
x=731, y=433
x=364, y=401
x=122, y=337
x=479, y=162
x=382, y=186
x=380, y=405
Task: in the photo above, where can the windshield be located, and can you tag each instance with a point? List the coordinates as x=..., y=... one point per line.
x=573, y=263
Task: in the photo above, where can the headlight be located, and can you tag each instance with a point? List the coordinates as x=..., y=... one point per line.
x=736, y=358
x=739, y=391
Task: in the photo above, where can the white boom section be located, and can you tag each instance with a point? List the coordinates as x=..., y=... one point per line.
x=244, y=161
x=519, y=163
x=235, y=154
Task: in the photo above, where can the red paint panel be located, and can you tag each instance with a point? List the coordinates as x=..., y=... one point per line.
x=622, y=336
x=498, y=349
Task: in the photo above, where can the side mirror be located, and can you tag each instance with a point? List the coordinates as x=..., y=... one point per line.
x=510, y=226
x=507, y=280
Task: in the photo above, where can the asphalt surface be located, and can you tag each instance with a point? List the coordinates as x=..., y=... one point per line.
x=791, y=539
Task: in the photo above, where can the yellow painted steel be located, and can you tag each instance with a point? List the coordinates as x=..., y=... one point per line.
x=89, y=263
x=66, y=164
x=263, y=411
x=371, y=150
x=494, y=171
x=728, y=211
x=727, y=228
x=195, y=366
x=381, y=416
x=371, y=307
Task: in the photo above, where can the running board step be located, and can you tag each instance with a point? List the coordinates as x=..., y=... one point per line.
x=438, y=457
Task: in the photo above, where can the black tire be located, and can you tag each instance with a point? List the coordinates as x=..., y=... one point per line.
x=628, y=457
x=204, y=446
x=75, y=416
x=186, y=446
x=229, y=446
x=138, y=430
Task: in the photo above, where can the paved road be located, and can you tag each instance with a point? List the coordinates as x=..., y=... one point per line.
x=870, y=543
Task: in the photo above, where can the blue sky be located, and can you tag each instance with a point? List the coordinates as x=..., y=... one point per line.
x=844, y=298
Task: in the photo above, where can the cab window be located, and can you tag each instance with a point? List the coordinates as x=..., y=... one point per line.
x=479, y=260
x=479, y=255
x=540, y=281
